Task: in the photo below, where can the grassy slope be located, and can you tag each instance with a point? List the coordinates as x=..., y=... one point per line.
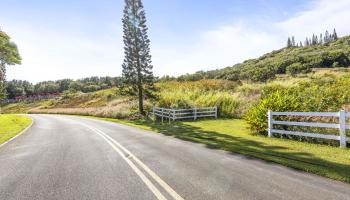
x=103, y=103
x=11, y=125
x=233, y=135
x=333, y=54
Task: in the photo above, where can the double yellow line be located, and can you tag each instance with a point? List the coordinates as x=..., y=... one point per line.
x=133, y=161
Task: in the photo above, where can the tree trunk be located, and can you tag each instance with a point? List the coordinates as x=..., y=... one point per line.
x=140, y=88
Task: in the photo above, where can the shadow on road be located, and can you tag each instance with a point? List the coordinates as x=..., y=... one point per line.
x=253, y=149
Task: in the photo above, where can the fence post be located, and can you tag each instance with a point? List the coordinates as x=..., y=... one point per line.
x=162, y=114
x=216, y=112
x=174, y=115
x=270, y=125
x=195, y=113
x=169, y=116
x=342, y=128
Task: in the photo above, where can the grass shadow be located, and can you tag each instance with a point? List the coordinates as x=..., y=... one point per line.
x=251, y=148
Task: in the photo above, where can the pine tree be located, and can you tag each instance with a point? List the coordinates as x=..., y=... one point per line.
x=300, y=44
x=289, y=43
x=293, y=41
x=321, y=39
x=137, y=67
x=326, y=37
x=306, y=43
x=335, y=35
x=316, y=39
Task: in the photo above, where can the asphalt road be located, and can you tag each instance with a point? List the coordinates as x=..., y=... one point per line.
x=66, y=158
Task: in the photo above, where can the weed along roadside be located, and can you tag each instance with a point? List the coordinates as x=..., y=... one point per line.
x=233, y=135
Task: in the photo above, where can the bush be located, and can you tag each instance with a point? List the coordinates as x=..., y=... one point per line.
x=327, y=94
x=280, y=100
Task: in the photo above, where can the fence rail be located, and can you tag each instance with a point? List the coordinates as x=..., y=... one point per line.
x=342, y=126
x=191, y=113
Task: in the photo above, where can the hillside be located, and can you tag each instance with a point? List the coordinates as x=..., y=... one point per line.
x=293, y=60
x=234, y=99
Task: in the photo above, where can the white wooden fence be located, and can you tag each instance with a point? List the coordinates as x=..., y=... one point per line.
x=191, y=113
x=342, y=126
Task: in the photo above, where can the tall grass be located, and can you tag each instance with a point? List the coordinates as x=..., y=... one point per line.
x=203, y=93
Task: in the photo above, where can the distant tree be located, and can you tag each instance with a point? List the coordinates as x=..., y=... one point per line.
x=137, y=67
x=8, y=56
x=64, y=84
x=16, y=88
x=313, y=40
x=293, y=41
x=326, y=37
x=289, y=43
x=300, y=44
x=320, y=41
x=335, y=35
x=307, y=43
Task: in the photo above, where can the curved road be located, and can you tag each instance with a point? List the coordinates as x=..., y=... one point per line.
x=66, y=158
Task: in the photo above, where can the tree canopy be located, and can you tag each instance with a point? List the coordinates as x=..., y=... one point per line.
x=15, y=88
x=9, y=55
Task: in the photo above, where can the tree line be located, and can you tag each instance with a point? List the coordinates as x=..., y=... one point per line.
x=313, y=40
x=17, y=88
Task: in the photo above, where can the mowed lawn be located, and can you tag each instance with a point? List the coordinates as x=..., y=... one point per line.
x=11, y=125
x=233, y=135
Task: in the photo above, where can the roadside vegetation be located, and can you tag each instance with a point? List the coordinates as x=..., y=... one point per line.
x=11, y=125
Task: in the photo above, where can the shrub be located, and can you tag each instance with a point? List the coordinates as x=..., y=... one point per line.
x=318, y=95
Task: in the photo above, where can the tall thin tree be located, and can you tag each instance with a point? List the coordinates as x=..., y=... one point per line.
x=293, y=41
x=289, y=43
x=137, y=66
x=326, y=37
x=320, y=41
x=335, y=35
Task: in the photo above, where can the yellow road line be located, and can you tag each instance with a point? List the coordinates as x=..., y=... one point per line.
x=162, y=183
x=143, y=177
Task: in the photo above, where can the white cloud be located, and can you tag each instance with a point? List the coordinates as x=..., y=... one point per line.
x=53, y=55
x=235, y=43
x=215, y=49
x=50, y=55
x=322, y=15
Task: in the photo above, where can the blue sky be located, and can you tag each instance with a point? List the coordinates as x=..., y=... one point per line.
x=80, y=38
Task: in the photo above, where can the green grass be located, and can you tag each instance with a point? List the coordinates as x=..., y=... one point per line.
x=234, y=136
x=11, y=125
